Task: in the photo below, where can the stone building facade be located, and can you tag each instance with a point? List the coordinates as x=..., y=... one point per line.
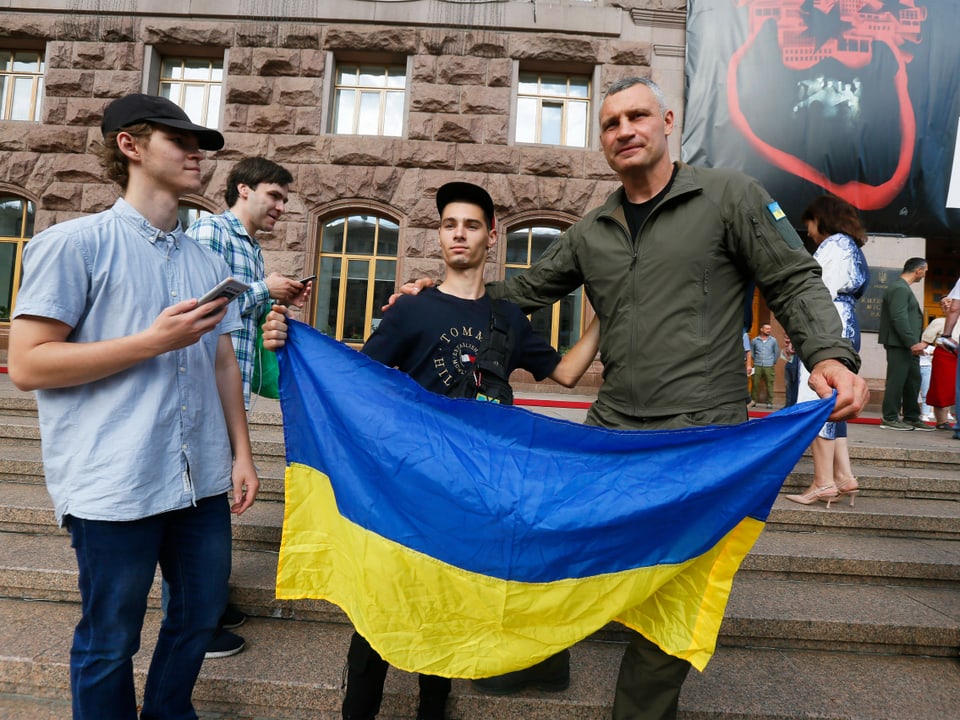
x=462, y=64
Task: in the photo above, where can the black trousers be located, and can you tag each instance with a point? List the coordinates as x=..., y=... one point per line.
x=366, y=673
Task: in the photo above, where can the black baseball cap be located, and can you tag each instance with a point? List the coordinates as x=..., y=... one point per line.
x=469, y=193
x=137, y=107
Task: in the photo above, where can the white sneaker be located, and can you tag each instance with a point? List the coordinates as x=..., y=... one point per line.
x=927, y=418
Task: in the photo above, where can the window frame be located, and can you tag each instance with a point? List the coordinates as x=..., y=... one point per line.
x=156, y=55
x=343, y=210
x=20, y=243
x=555, y=220
x=592, y=75
x=360, y=60
x=37, y=92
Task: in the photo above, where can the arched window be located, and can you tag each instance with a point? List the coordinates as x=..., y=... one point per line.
x=562, y=324
x=189, y=213
x=357, y=274
x=16, y=227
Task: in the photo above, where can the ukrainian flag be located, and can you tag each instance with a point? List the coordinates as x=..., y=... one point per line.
x=469, y=539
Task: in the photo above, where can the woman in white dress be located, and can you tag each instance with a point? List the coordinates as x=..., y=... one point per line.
x=834, y=225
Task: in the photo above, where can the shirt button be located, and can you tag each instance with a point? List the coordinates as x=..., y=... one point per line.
x=183, y=369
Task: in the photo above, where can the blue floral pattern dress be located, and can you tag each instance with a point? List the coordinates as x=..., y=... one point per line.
x=846, y=274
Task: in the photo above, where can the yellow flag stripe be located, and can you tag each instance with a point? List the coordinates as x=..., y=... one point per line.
x=424, y=615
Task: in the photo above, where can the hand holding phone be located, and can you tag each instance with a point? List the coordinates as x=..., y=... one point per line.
x=229, y=288
x=309, y=278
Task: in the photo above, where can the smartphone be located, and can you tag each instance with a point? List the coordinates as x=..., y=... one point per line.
x=309, y=278
x=229, y=288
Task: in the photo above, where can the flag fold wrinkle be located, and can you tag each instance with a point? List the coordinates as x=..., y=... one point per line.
x=468, y=539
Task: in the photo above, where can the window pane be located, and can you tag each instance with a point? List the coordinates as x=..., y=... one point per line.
x=28, y=230
x=327, y=292
x=170, y=69
x=27, y=62
x=373, y=77
x=553, y=85
x=11, y=216
x=386, y=275
x=8, y=264
x=579, y=87
x=388, y=240
x=517, y=247
x=393, y=115
x=212, y=119
x=36, y=112
x=333, y=236
x=551, y=117
x=347, y=75
x=188, y=215
x=192, y=103
x=576, y=135
x=526, y=120
x=396, y=77
x=22, y=99
x=369, y=120
x=343, y=112
x=361, y=231
x=6, y=57
x=3, y=97
x=355, y=305
x=542, y=321
x=196, y=69
x=568, y=331
x=543, y=237
x=171, y=91
x=527, y=83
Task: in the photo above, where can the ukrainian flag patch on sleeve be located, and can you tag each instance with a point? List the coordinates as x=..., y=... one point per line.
x=776, y=211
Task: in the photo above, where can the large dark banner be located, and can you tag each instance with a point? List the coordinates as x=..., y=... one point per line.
x=859, y=98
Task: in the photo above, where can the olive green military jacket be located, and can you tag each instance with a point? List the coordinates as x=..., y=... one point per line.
x=670, y=301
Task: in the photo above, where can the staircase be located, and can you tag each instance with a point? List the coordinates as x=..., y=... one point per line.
x=842, y=613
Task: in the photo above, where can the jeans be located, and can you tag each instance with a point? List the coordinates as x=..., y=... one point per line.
x=117, y=562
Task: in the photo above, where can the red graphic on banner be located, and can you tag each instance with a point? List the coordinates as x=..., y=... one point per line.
x=847, y=33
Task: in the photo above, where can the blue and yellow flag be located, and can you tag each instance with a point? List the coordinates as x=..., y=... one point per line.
x=469, y=539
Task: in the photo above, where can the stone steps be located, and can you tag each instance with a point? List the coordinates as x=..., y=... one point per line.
x=292, y=669
x=865, y=596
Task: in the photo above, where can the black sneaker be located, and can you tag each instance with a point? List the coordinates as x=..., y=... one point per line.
x=920, y=425
x=224, y=644
x=550, y=675
x=232, y=618
x=895, y=425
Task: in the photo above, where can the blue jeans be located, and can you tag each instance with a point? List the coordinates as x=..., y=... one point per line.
x=117, y=562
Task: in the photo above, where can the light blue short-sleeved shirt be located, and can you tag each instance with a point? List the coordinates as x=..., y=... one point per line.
x=151, y=438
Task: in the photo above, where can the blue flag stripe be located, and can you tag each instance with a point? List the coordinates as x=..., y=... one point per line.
x=517, y=496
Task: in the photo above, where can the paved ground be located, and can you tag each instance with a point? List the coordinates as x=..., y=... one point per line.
x=865, y=430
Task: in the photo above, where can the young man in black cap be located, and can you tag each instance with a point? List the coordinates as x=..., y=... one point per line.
x=436, y=338
x=146, y=450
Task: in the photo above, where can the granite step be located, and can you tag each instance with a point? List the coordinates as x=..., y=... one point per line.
x=291, y=670
x=823, y=610
x=930, y=483
x=26, y=507
x=874, y=516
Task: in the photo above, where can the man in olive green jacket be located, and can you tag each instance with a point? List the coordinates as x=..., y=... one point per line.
x=901, y=324
x=665, y=262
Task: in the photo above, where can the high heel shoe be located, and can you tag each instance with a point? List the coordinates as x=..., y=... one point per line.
x=850, y=489
x=826, y=493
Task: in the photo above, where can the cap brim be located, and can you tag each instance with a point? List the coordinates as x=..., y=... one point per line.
x=209, y=139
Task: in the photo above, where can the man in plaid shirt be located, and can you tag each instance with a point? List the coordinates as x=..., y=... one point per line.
x=257, y=190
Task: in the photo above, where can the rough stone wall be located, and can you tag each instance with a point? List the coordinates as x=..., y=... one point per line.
x=457, y=120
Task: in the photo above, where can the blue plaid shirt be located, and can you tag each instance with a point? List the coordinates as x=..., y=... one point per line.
x=226, y=236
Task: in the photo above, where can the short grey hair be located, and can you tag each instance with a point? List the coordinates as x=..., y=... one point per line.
x=629, y=82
